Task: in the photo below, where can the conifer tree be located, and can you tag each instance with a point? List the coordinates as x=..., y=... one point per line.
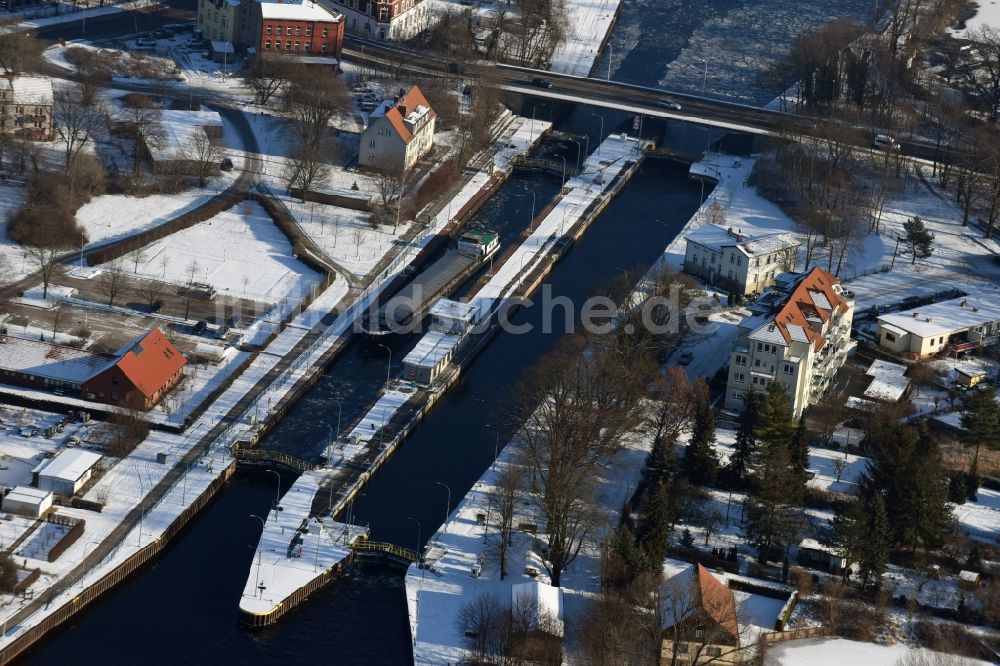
x=875, y=553
x=701, y=462
x=745, y=447
x=661, y=463
x=798, y=456
x=919, y=240
x=774, y=423
x=981, y=421
x=654, y=526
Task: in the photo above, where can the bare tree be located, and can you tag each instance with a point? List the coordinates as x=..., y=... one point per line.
x=267, y=75
x=78, y=118
x=504, y=499
x=45, y=259
x=358, y=237
x=136, y=255
x=575, y=406
x=203, y=156
x=112, y=279
x=57, y=314
x=307, y=168
x=314, y=97
x=484, y=622
x=142, y=121
x=19, y=51
x=191, y=269
x=388, y=192
x=151, y=290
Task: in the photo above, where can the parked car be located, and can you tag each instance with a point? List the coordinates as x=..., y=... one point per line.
x=539, y=82
x=668, y=103
x=200, y=327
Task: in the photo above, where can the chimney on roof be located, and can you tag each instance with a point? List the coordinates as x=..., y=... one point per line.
x=401, y=109
x=916, y=314
x=927, y=319
x=729, y=231
x=964, y=303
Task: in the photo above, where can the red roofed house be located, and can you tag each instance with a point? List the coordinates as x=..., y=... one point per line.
x=799, y=336
x=399, y=133
x=698, y=620
x=145, y=368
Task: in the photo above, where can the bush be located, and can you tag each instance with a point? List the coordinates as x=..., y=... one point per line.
x=8, y=573
x=48, y=216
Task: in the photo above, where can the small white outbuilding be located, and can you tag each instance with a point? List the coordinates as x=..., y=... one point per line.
x=27, y=501
x=67, y=472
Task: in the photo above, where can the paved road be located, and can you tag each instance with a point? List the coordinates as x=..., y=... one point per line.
x=609, y=94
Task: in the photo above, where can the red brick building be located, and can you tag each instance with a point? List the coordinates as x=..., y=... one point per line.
x=299, y=29
x=144, y=370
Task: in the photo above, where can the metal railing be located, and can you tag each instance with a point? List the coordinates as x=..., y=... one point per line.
x=386, y=548
x=242, y=454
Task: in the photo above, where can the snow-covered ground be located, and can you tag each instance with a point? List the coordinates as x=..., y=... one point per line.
x=113, y=216
x=839, y=651
x=987, y=16
x=48, y=15
x=980, y=519
x=590, y=21
x=239, y=251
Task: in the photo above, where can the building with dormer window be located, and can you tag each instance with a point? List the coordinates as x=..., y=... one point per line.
x=799, y=336
x=399, y=133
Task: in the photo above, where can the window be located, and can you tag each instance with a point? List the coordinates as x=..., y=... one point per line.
x=288, y=45
x=325, y=32
x=298, y=30
x=268, y=30
x=277, y=30
x=309, y=31
x=739, y=261
x=732, y=258
x=741, y=359
x=714, y=651
x=372, y=144
x=267, y=44
x=298, y=45
x=756, y=363
x=713, y=258
x=788, y=368
x=734, y=395
x=681, y=648
x=739, y=377
x=322, y=48
x=308, y=46
x=760, y=346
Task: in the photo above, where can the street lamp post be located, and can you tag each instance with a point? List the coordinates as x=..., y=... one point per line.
x=601, y=136
x=531, y=220
x=277, y=493
x=419, y=530
x=339, y=412
x=447, y=508
x=388, y=367
x=611, y=53
x=260, y=544
x=564, y=172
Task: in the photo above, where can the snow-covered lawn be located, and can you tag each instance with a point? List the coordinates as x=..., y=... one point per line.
x=33, y=296
x=839, y=651
x=980, y=519
x=987, y=16
x=244, y=255
x=39, y=544
x=113, y=216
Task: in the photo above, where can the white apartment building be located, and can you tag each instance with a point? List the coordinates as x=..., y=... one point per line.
x=798, y=336
x=399, y=133
x=739, y=263
x=217, y=19
x=383, y=19
x=954, y=326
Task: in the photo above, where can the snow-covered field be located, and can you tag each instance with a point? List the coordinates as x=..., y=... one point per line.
x=113, y=216
x=240, y=252
x=839, y=651
x=590, y=22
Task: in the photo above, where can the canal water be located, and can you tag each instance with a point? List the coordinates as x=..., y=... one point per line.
x=183, y=609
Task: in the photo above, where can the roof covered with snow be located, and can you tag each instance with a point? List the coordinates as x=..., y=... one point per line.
x=70, y=465
x=432, y=349
x=180, y=128
x=22, y=89
x=305, y=11
x=27, y=495
x=944, y=318
x=454, y=310
x=716, y=238
x=889, y=382
x=49, y=361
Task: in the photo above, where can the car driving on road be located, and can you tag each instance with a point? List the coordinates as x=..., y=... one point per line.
x=668, y=103
x=539, y=82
